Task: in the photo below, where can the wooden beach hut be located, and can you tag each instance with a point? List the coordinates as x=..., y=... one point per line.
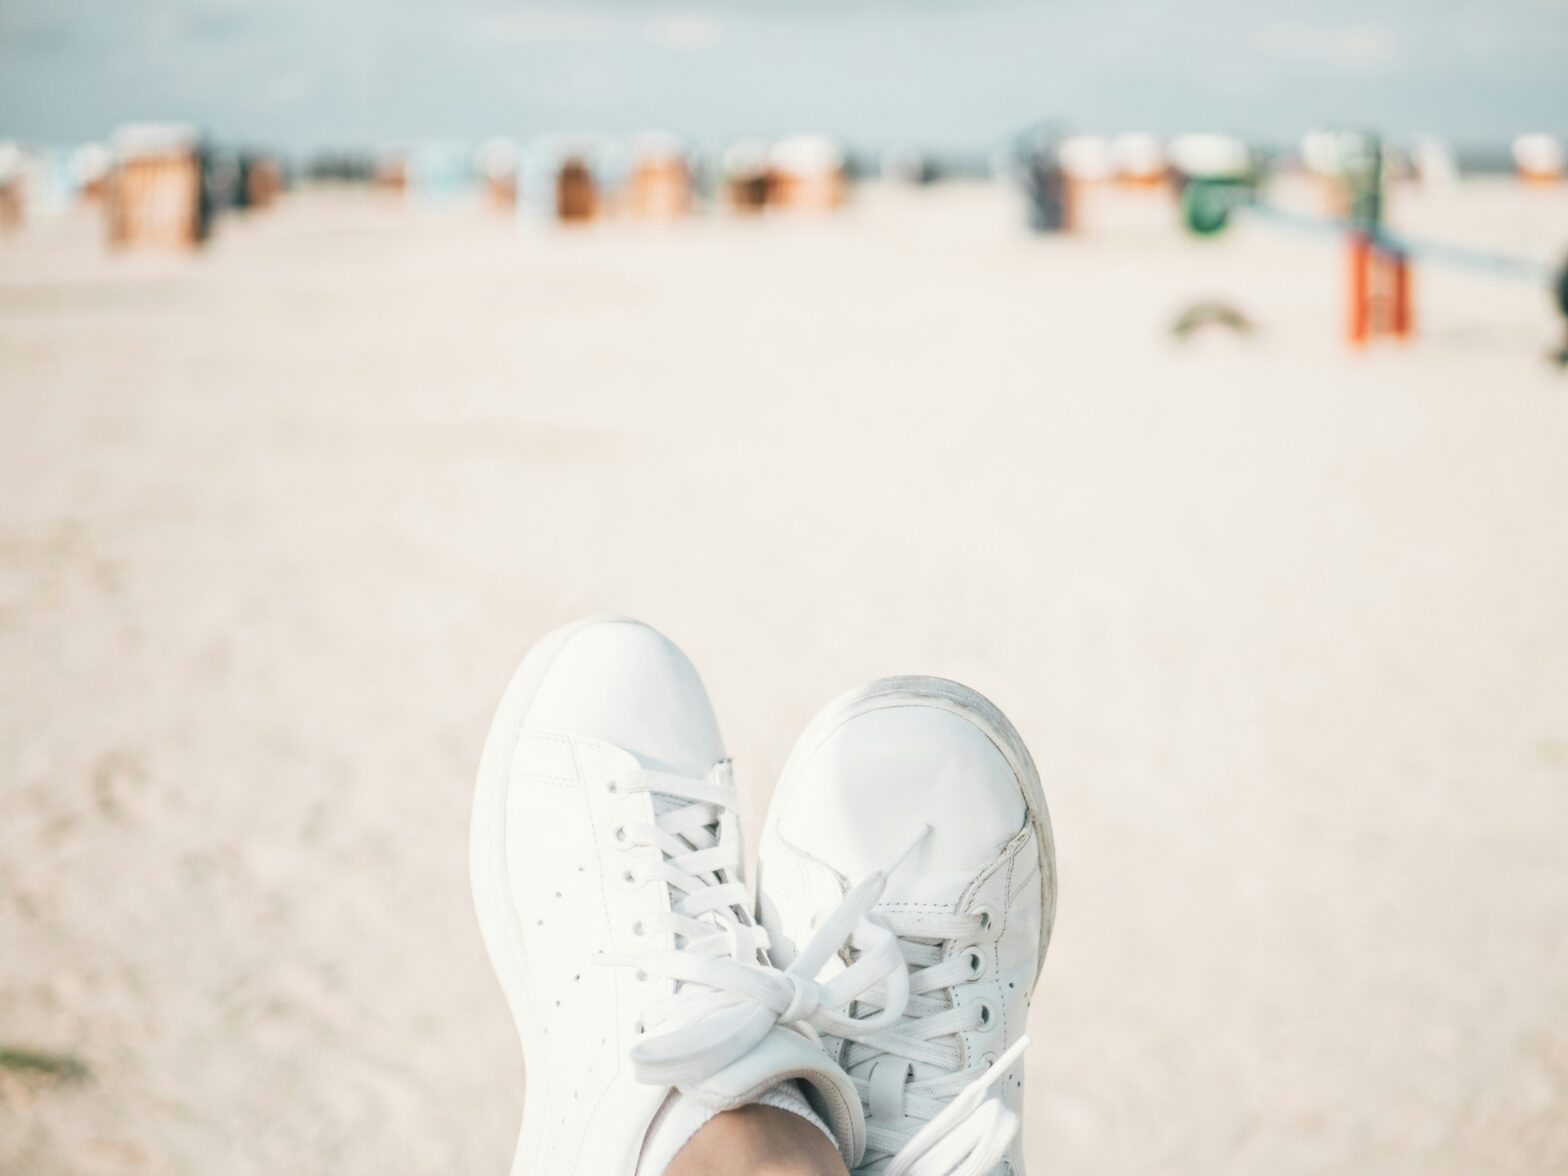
x=1139, y=160
x=497, y=164
x=807, y=172
x=1087, y=159
x=156, y=198
x=260, y=180
x=1540, y=159
x=92, y=166
x=34, y=181
x=12, y=182
x=1208, y=156
x=389, y=172
x=568, y=179
x=743, y=177
x=1211, y=173
x=1348, y=167
x=658, y=185
x=576, y=190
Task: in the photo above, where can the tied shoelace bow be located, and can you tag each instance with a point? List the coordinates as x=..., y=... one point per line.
x=941, y=1125
x=727, y=997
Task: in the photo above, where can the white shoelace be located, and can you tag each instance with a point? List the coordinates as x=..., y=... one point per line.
x=942, y=1125
x=727, y=998
x=970, y=1135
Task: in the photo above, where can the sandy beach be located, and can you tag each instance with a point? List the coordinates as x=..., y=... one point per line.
x=1286, y=628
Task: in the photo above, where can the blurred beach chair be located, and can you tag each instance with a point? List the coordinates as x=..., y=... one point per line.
x=743, y=177
x=808, y=173
x=156, y=194
x=497, y=164
x=576, y=192
x=1139, y=160
x=659, y=184
x=389, y=172
x=1540, y=159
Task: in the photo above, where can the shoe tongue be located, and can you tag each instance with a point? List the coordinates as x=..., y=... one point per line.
x=665, y=802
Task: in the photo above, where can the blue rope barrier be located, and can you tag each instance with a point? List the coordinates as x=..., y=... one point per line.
x=1501, y=265
x=1315, y=226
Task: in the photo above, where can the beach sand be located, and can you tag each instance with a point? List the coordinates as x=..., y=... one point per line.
x=1286, y=628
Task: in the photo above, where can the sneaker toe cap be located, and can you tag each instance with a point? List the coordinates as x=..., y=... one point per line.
x=873, y=783
x=624, y=683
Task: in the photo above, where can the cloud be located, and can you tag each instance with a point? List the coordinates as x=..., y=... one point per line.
x=682, y=31
x=1348, y=47
x=215, y=24
x=592, y=81
x=289, y=89
x=686, y=31
x=554, y=26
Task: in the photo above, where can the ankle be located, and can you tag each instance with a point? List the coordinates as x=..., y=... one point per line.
x=760, y=1140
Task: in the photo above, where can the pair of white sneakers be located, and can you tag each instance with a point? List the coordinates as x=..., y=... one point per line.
x=905, y=897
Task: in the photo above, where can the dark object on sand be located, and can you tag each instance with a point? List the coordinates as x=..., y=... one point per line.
x=1206, y=203
x=749, y=192
x=576, y=195
x=39, y=1062
x=1560, y=291
x=1362, y=172
x=1047, y=190
x=1205, y=314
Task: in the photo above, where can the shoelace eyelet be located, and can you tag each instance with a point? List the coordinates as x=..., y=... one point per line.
x=620, y=834
x=976, y=963
x=630, y=879
x=985, y=1015
x=984, y=915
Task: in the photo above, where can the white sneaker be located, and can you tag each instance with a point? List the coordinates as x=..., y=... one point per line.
x=972, y=907
x=606, y=871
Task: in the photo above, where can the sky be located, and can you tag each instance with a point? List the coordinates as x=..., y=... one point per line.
x=305, y=74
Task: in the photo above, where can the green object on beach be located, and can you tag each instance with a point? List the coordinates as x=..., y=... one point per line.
x=1362, y=168
x=1206, y=204
x=39, y=1062
x=1205, y=314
